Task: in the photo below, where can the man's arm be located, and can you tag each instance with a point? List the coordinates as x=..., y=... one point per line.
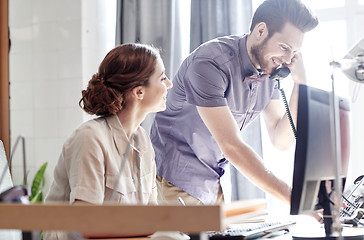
x=277, y=122
x=225, y=131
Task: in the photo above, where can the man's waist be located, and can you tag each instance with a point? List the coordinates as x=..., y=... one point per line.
x=204, y=189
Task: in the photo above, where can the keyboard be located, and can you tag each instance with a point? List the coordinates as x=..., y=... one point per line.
x=353, y=199
x=251, y=231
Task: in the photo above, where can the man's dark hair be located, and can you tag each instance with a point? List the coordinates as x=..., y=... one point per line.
x=275, y=13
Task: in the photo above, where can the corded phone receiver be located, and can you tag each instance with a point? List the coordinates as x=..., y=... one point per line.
x=278, y=75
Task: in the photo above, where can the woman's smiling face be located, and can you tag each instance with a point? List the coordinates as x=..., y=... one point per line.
x=156, y=91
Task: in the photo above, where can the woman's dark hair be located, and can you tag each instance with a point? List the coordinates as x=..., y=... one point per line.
x=123, y=68
x=275, y=13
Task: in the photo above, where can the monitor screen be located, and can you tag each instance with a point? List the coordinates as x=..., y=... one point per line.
x=314, y=158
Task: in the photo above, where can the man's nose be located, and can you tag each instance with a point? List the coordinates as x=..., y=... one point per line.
x=287, y=58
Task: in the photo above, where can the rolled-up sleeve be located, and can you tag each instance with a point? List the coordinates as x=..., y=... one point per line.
x=84, y=160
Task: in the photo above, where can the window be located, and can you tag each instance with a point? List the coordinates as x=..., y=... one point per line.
x=329, y=41
x=184, y=17
x=324, y=4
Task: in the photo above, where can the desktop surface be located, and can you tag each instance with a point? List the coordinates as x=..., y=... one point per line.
x=151, y=218
x=305, y=225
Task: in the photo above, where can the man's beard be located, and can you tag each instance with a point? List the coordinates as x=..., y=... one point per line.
x=258, y=56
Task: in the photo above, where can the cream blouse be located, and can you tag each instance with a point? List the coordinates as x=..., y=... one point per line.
x=90, y=161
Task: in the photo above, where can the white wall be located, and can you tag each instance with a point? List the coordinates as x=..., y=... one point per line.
x=56, y=47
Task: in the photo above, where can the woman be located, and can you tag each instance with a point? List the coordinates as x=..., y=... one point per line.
x=110, y=158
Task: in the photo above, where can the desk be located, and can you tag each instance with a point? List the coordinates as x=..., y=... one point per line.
x=304, y=223
x=135, y=219
x=112, y=219
x=120, y=219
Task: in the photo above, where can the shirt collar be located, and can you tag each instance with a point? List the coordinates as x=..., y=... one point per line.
x=118, y=135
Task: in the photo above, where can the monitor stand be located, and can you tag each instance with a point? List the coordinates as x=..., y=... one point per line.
x=325, y=233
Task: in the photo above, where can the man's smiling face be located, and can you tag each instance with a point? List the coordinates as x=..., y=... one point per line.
x=277, y=50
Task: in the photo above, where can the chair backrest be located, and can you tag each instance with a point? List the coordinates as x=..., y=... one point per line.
x=6, y=182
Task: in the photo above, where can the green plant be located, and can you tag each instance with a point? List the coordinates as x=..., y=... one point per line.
x=38, y=185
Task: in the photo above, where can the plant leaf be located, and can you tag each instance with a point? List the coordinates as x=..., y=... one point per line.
x=38, y=182
x=37, y=197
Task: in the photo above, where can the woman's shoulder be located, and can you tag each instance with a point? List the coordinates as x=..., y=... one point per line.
x=142, y=135
x=91, y=125
x=144, y=139
x=89, y=136
x=93, y=128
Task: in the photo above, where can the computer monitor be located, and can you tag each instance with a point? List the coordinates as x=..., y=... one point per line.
x=314, y=163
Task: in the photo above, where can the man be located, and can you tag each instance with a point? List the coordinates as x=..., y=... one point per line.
x=218, y=90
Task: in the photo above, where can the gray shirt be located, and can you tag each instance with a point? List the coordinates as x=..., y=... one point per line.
x=214, y=75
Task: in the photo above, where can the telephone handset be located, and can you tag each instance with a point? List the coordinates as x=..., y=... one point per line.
x=278, y=75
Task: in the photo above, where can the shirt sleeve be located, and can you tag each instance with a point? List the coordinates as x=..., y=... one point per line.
x=205, y=84
x=85, y=166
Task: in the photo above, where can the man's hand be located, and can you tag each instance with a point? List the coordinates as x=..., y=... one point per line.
x=318, y=216
x=297, y=69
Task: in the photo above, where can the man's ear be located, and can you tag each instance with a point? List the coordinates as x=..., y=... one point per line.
x=261, y=31
x=138, y=92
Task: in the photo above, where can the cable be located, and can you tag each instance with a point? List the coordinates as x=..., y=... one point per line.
x=287, y=110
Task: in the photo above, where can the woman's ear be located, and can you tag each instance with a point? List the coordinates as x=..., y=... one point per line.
x=138, y=92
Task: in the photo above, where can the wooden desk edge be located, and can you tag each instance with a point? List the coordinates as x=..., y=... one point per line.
x=120, y=219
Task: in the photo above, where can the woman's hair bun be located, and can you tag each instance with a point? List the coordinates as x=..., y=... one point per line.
x=123, y=68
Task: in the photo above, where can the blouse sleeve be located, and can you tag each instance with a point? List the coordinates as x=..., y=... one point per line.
x=84, y=160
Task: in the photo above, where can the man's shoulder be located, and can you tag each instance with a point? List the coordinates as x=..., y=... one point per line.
x=220, y=49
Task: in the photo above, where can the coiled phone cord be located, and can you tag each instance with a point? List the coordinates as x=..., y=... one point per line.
x=287, y=110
